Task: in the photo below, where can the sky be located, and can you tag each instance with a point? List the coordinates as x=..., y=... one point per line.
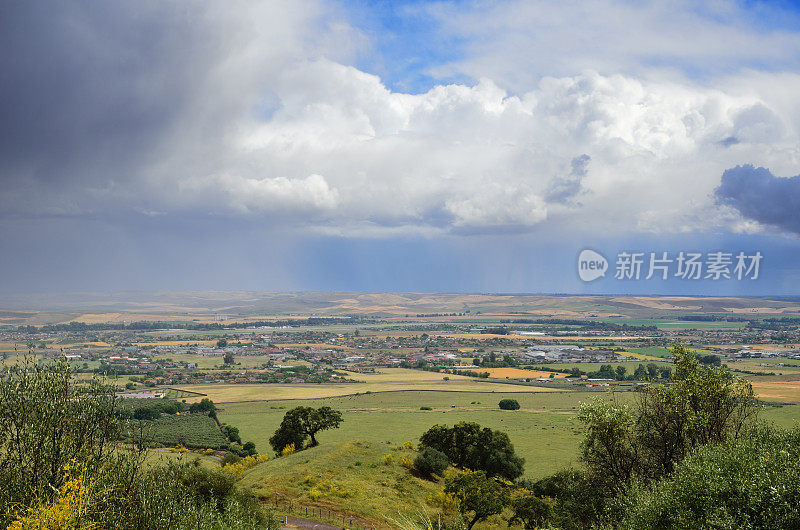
x=449, y=146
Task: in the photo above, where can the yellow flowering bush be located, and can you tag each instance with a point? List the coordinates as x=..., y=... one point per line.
x=328, y=488
x=441, y=499
x=288, y=450
x=67, y=511
x=237, y=468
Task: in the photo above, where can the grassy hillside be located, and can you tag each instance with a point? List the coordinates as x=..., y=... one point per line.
x=351, y=478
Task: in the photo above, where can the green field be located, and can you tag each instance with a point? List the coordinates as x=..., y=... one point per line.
x=544, y=431
x=655, y=351
x=783, y=416
x=675, y=323
x=630, y=366
x=205, y=362
x=238, y=393
x=790, y=366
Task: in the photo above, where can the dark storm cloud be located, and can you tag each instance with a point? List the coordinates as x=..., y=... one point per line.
x=77, y=105
x=104, y=104
x=562, y=189
x=759, y=195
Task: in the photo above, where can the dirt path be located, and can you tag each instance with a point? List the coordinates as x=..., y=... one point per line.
x=292, y=523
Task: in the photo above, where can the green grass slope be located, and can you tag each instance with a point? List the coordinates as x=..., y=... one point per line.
x=350, y=477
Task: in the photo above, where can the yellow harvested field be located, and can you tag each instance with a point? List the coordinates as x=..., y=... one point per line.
x=179, y=343
x=316, y=346
x=401, y=375
x=640, y=356
x=515, y=373
x=662, y=302
x=96, y=318
x=777, y=390
x=479, y=336
x=76, y=344
x=207, y=361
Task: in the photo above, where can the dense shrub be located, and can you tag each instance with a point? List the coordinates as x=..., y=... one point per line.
x=49, y=421
x=231, y=432
x=230, y=458
x=431, y=462
x=242, y=451
x=530, y=510
x=630, y=446
x=577, y=502
x=509, y=404
x=189, y=496
x=469, y=446
x=61, y=468
x=753, y=482
x=148, y=409
x=479, y=497
x=239, y=467
x=206, y=406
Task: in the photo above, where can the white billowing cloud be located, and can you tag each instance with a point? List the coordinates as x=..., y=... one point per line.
x=474, y=158
x=276, y=196
x=511, y=208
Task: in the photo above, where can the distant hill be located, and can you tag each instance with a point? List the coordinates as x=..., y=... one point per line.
x=236, y=306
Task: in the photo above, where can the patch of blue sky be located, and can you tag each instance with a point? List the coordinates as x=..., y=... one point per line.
x=773, y=15
x=406, y=43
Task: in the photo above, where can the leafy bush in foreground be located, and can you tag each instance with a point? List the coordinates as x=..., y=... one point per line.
x=47, y=422
x=61, y=466
x=753, y=482
x=630, y=446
